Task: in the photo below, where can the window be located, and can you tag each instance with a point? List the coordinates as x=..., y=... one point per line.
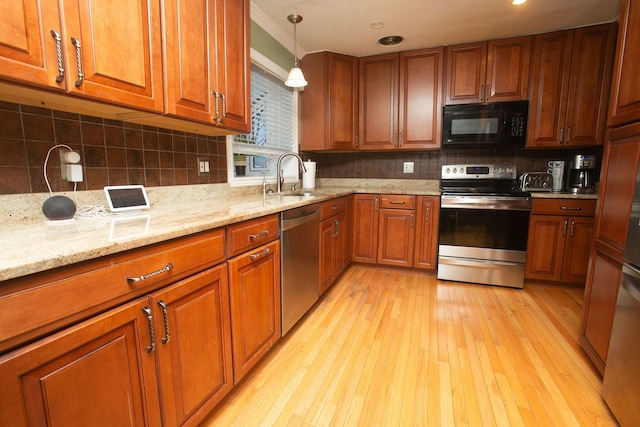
x=274, y=130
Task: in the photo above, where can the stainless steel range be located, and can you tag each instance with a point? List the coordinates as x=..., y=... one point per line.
x=484, y=221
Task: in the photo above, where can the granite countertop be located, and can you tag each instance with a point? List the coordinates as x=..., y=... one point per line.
x=31, y=245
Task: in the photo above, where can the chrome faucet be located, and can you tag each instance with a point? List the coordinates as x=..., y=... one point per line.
x=280, y=178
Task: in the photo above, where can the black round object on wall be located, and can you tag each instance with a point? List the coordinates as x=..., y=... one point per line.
x=59, y=207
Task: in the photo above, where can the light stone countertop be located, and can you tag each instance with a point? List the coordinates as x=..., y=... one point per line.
x=30, y=245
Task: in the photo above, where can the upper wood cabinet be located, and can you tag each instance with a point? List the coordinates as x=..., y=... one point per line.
x=625, y=97
x=97, y=51
x=497, y=70
x=400, y=100
x=571, y=75
x=329, y=104
x=206, y=62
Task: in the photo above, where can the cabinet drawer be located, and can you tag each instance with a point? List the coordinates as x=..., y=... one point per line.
x=573, y=207
x=248, y=235
x=332, y=207
x=397, y=201
x=33, y=306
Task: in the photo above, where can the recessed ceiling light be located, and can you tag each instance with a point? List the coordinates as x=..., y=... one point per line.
x=518, y=2
x=377, y=25
x=390, y=40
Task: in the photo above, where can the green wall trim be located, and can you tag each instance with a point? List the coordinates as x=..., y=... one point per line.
x=270, y=47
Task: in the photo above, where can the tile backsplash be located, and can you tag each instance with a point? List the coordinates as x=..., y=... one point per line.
x=117, y=153
x=112, y=152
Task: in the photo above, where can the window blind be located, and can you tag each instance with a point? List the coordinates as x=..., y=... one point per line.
x=271, y=116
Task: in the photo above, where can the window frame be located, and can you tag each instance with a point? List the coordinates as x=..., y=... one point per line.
x=262, y=61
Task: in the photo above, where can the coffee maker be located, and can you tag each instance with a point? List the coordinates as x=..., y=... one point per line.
x=582, y=174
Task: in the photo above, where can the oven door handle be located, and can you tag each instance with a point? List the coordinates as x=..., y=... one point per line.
x=496, y=203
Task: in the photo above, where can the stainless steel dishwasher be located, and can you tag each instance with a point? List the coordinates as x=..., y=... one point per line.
x=300, y=263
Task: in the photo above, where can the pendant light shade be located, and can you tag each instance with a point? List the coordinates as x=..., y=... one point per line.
x=296, y=78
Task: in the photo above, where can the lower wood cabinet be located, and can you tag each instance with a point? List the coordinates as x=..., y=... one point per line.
x=398, y=230
x=165, y=356
x=254, y=282
x=559, y=243
x=335, y=240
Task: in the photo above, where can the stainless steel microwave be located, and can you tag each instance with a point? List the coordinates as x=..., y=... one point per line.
x=475, y=125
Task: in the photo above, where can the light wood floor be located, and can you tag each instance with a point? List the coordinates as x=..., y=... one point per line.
x=399, y=348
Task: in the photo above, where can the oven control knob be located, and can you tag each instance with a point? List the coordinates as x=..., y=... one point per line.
x=447, y=170
x=455, y=170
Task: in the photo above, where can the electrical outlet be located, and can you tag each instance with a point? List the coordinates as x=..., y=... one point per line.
x=408, y=167
x=69, y=167
x=203, y=167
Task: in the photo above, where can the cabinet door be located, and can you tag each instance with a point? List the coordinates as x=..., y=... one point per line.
x=545, y=247
x=395, y=237
x=379, y=102
x=577, y=250
x=27, y=45
x=508, y=64
x=119, y=50
x=625, y=97
x=593, y=49
x=426, y=243
x=254, y=283
x=193, y=333
x=343, y=102
x=233, y=75
x=190, y=69
x=420, y=111
x=99, y=372
x=466, y=73
x=618, y=179
x=327, y=254
x=365, y=228
x=550, y=84
x=601, y=294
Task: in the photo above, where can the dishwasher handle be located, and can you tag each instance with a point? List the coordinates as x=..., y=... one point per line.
x=294, y=219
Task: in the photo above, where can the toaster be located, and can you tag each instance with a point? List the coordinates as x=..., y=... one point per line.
x=536, y=181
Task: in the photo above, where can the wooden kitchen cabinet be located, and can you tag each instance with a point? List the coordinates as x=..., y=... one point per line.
x=571, y=75
x=193, y=345
x=625, y=96
x=100, y=372
x=560, y=239
x=329, y=104
x=335, y=240
x=254, y=282
x=88, y=48
x=496, y=70
x=207, y=62
x=401, y=101
x=383, y=229
x=618, y=178
x=426, y=232
x=365, y=228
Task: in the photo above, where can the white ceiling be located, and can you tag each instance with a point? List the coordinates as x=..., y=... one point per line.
x=344, y=26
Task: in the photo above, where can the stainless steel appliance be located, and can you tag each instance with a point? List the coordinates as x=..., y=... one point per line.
x=299, y=264
x=582, y=174
x=484, y=221
x=535, y=181
x=621, y=384
x=494, y=124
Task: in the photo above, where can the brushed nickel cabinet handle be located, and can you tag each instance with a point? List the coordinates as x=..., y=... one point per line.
x=76, y=43
x=337, y=224
x=255, y=236
x=561, y=135
x=427, y=214
x=217, y=113
x=165, y=317
x=481, y=92
x=568, y=135
x=413, y=219
x=152, y=337
x=137, y=279
x=573, y=228
x=395, y=202
x=259, y=254
x=567, y=208
x=224, y=107
x=487, y=95
x=377, y=203
x=564, y=230
x=56, y=36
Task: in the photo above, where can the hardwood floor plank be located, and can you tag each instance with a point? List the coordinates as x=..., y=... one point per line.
x=396, y=347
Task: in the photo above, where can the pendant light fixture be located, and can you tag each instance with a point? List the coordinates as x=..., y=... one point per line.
x=296, y=78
